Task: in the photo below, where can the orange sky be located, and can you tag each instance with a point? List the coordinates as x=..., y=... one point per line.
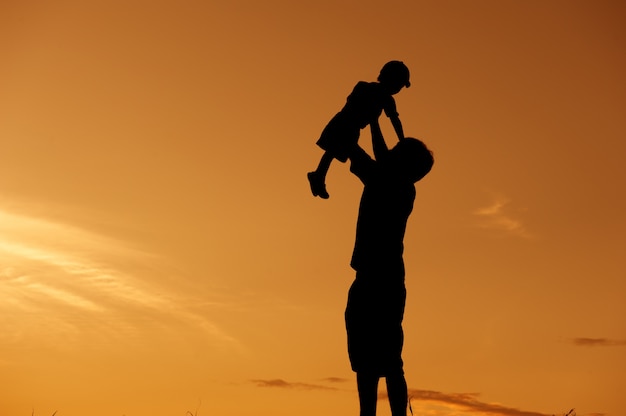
x=160, y=250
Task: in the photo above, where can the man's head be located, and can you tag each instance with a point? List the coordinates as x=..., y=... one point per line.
x=412, y=159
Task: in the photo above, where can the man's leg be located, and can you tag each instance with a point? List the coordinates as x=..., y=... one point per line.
x=367, y=385
x=398, y=394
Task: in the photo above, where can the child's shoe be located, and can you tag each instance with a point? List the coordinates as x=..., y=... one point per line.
x=318, y=187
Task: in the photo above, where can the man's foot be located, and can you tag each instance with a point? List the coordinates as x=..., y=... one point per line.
x=318, y=187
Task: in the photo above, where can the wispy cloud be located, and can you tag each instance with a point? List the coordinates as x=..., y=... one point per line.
x=335, y=380
x=280, y=383
x=498, y=215
x=598, y=342
x=469, y=403
x=59, y=281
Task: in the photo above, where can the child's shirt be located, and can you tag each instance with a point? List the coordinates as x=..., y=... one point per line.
x=366, y=103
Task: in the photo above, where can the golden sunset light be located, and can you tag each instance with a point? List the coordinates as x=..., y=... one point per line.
x=161, y=253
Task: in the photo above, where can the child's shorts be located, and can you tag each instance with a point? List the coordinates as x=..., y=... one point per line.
x=373, y=317
x=339, y=137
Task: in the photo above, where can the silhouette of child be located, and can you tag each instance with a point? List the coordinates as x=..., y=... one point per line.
x=376, y=300
x=365, y=104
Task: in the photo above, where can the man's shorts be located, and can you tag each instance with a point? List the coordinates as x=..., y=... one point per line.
x=373, y=317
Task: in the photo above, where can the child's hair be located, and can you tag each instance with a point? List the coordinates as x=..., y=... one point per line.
x=413, y=159
x=395, y=71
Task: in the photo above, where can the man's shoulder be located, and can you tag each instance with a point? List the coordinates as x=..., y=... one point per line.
x=360, y=157
x=362, y=164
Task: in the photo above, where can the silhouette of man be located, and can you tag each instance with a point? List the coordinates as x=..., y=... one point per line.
x=376, y=299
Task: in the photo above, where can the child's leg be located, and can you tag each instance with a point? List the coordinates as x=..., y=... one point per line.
x=367, y=385
x=324, y=165
x=317, y=178
x=398, y=394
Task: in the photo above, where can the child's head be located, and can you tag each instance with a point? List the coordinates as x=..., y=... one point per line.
x=412, y=159
x=394, y=75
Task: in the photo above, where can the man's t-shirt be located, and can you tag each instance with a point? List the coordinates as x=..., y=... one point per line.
x=386, y=203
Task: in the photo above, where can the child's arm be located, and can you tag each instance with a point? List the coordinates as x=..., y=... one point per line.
x=397, y=126
x=392, y=112
x=379, y=146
